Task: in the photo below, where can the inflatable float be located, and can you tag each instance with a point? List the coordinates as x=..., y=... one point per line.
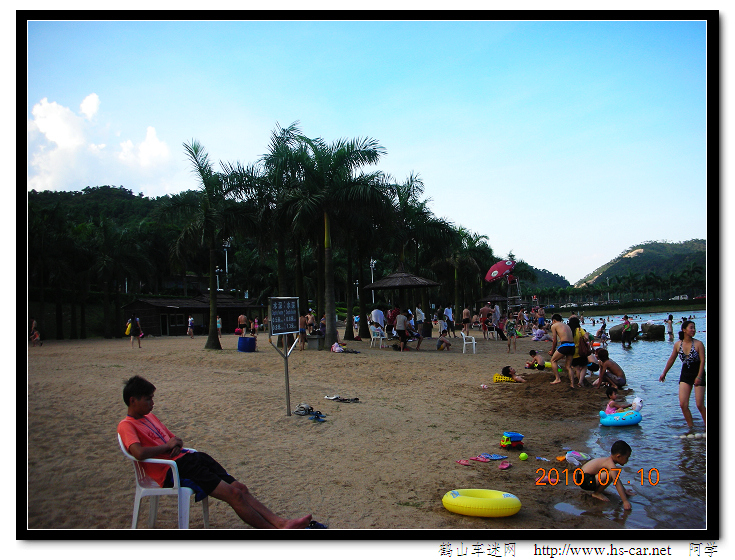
x=625, y=418
x=575, y=457
x=481, y=503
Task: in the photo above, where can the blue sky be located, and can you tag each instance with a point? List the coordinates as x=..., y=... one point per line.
x=545, y=136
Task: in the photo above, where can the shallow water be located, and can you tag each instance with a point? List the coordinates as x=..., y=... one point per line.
x=677, y=500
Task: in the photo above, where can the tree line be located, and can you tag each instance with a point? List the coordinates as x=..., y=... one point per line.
x=306, y=219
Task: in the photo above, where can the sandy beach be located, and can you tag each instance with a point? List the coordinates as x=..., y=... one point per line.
x=382, y=463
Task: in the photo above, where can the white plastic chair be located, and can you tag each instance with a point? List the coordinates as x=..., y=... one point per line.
x=146, y=486
x=466, y=341
x=378, y=335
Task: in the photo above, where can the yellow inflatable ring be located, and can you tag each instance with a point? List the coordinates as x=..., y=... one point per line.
x=481, y=503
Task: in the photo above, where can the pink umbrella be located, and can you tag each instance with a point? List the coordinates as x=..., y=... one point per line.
x=499, y=270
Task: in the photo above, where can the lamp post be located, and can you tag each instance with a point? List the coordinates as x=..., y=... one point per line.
x=357, y=289
x=608, y=288
x=372, y=269
x=217, y=271
x=226, y=245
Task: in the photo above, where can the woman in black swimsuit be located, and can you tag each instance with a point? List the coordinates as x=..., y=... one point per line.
x=691, y=353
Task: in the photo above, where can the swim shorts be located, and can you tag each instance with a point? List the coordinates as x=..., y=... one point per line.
x=541, y=321
x=592, y=366
x=465, y=321
x=619, y=382
x=586, y=482
x=539, y=367
x=566, y=349
x=201, y=469
x=402, y=335
x=689, y=375
x=579, y=361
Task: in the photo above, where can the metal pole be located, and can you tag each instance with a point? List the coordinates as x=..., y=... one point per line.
x=285, y=361
x=372, y=268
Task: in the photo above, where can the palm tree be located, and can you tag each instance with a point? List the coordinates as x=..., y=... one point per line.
x=210, y=216
x=330, y=177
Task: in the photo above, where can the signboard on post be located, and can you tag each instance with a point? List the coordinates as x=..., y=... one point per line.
x=283, y=318
x=284, y=315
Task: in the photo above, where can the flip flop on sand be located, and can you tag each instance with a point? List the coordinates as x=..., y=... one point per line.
x=316, y=525
x=334, y=398
x=504, y=465
x=317, y=419
x=464, y=462
x=493, y=456
x=481, y=459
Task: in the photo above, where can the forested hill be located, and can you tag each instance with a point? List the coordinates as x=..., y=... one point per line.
x=653, y=257
x=546, y=279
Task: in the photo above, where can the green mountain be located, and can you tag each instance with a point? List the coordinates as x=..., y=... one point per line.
x=545, y=279
x=656, y=257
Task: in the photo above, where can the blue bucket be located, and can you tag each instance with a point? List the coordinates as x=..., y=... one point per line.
x=246, y=344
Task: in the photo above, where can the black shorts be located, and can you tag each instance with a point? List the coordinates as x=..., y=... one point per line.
x=402, y=335
x=566, y=349
x=202, y=470
x=586, y=481
x=579, y=361
x=465, y=321
x=688, y=375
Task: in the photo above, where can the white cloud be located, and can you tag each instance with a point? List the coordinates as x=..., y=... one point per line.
x=90, y=105
x=69, y=151
x=150, y=152
x=58, y=124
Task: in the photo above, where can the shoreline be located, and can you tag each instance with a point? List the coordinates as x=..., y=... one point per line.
x=382, y=463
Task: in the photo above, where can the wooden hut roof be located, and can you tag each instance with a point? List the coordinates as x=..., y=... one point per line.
x=401, y=280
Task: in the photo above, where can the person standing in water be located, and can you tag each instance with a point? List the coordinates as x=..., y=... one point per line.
x=691, y=353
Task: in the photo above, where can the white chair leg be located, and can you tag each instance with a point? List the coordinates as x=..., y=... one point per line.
x=184, y=494
x=153, y=511
x=205, y=511
x=136, y=509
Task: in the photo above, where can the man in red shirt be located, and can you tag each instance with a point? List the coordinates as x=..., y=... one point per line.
x=145, y=437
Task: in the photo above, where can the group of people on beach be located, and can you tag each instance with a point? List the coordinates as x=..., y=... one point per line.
x=144, y=436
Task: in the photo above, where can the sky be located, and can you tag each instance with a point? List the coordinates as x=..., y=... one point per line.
x=563, y=142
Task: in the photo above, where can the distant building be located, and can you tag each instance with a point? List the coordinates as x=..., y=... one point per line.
x=163, y=316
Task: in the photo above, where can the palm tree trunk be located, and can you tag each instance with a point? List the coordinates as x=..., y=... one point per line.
x=117, y=330
x=364, y=329
x=213, y=342
x=281, y=259
x=330, y=306
x=106, y=309
x=73, y=317
x=349, y=324
x=59, y=316
x=303, y=300
x=457, y=310
x=319, y=303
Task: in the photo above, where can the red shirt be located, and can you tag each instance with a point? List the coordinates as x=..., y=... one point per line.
x=148, y=432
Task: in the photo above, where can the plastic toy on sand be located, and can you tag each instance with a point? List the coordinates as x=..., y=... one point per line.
x=512, y=440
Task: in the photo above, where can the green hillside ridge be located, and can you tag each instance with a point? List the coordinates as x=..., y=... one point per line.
x=651, y=257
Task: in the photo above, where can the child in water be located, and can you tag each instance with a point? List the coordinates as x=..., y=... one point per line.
x=613, y=406
x=593, y=480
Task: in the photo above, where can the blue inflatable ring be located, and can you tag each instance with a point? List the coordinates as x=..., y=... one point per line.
x=626, y=418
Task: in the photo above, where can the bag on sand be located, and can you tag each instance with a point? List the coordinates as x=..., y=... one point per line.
x=127, y=331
